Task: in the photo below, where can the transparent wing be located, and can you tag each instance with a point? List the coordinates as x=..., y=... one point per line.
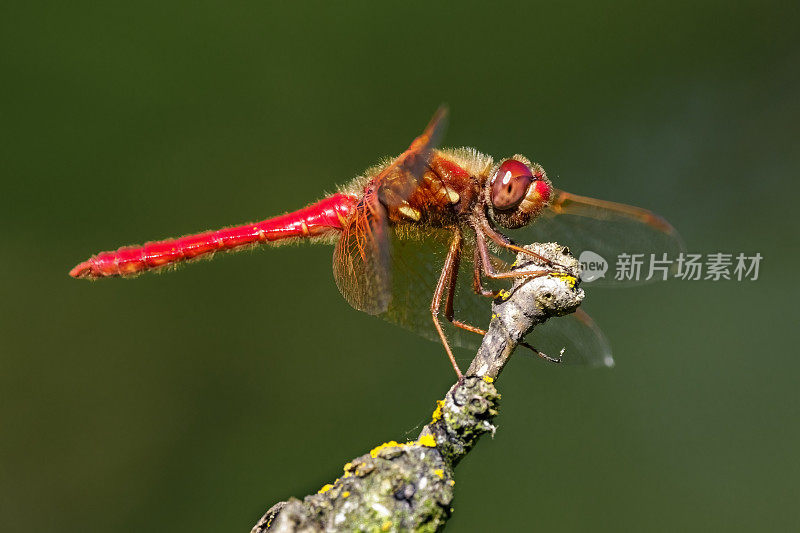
x=362, y=257
x=604, y=234
x=582, y=341
x=417, y=259
x=398, y=181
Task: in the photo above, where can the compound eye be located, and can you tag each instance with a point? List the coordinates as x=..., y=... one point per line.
x=510, y=184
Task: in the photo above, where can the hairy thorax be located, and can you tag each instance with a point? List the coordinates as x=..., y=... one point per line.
x=447, y=190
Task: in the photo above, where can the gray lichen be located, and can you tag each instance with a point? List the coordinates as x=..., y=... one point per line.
x=409, y=486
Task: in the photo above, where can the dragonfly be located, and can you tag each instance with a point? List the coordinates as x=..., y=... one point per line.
x=430, y=234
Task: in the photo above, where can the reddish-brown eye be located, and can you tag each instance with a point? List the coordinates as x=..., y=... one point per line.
x=510, y=184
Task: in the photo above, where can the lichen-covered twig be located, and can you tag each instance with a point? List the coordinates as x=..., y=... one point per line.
x=409, y=486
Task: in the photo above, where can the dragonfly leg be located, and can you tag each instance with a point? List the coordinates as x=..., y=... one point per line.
x=541, y=354
x=489, y=270
x=505, y=242
x=447, y=280
x=449, y=313
x=483, y=263
x=477, y=286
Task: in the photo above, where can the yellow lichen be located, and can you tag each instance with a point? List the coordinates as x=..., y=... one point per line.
x=571, y=280
x=345, y=494
x=377, y=449
x=325, y=489
x=503, y=295
x=348, y=470
x=488, y=379
x=437, y=413
x=451, y=482
x=427, y=440
x=386, y=526
x=439, y=472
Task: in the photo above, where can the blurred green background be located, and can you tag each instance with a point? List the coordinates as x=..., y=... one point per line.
x=192, y=401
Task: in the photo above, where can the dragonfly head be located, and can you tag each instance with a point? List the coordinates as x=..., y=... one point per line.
x=517, y=192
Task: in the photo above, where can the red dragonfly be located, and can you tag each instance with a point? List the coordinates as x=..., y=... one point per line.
x=421, y=229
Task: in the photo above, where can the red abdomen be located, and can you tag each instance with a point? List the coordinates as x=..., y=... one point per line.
x=316, y=220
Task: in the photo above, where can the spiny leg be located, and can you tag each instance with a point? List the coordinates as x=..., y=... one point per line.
x=488, y=268
x=477, y=286
x=448, y=305
x=503, y=241
x=452, y=260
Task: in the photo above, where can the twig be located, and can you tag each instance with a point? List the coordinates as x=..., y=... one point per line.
x=410, y=486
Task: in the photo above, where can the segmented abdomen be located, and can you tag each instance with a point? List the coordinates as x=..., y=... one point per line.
x=316, y=220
